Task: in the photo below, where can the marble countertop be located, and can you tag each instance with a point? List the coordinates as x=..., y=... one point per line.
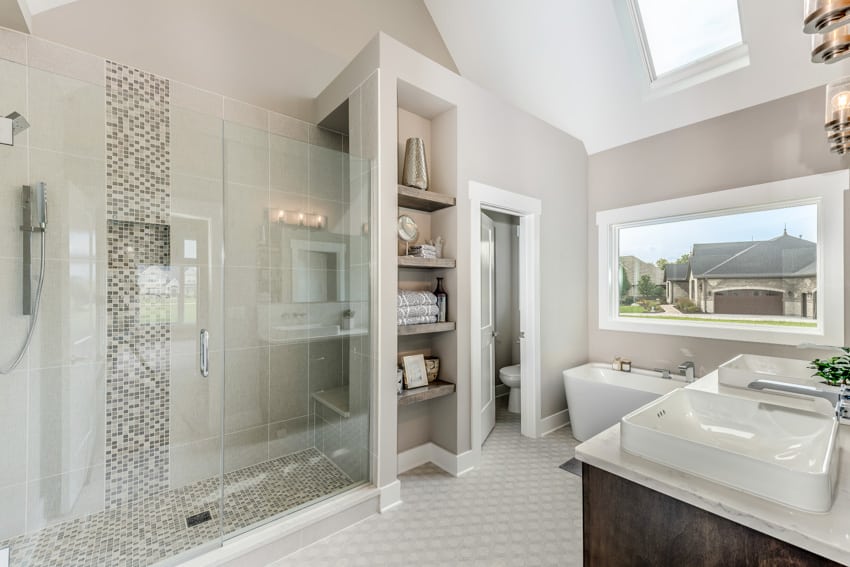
x=825, y=534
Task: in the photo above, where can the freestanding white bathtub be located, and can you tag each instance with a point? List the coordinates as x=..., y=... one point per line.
x=598, y=396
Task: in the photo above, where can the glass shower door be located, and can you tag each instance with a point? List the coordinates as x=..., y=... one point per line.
x=296, y=417
x=111, y=438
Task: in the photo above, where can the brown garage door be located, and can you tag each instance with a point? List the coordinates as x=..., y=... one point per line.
x=748, y=302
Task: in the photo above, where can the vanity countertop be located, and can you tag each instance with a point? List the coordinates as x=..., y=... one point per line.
x=827, y=535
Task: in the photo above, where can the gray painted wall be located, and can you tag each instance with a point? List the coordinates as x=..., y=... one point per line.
x=507, y=288
x=777, y=140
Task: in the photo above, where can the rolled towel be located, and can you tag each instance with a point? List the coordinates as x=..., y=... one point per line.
x=418, y=320
x=417, y=311
x=409, y=298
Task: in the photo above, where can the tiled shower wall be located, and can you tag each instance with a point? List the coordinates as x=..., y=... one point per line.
x=138, y=340
x=138, y=184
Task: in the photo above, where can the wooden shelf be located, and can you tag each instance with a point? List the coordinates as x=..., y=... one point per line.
x=412, y=198
x=335, y=399
x=426, y=328
x=425, y=263
x=436, y=389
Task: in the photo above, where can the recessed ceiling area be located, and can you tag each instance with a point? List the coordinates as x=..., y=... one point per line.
x=578, y=66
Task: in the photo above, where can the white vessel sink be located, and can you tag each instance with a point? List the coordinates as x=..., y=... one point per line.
x=745, y=368
x=775, y=452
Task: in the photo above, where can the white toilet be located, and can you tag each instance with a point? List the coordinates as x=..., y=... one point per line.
x=509, y=375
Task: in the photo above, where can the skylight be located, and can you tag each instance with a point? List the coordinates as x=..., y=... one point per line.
x=678, y=33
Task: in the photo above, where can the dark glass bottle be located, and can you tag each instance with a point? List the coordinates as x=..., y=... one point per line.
x=442, y=301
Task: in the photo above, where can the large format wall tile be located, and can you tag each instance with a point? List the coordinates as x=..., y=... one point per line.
x=66, y=115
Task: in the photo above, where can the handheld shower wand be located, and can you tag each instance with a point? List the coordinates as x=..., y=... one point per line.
x=34, y=209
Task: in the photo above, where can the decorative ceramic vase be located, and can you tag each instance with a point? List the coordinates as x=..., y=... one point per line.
x=415, y=172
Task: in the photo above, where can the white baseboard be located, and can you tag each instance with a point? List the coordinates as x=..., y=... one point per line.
x=455, y=465
x=390, y=496
x=555, y=421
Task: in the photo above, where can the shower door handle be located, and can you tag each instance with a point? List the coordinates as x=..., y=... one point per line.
x=205, y=353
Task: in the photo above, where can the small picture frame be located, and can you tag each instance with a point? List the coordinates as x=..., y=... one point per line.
x=415, y=374
x=432, y=367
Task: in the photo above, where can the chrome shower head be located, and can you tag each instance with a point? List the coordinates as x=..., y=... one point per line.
x=10, y=126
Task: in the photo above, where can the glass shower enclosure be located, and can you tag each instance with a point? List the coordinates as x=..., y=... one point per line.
x=201, y=360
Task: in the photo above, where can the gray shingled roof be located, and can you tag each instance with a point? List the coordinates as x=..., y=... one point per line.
x=783, y=256
x=676, y=273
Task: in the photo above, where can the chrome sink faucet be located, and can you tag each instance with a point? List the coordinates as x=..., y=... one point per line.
x=665, y=373
x=686, y=369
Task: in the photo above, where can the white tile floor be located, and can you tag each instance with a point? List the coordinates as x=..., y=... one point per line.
x=517, y=508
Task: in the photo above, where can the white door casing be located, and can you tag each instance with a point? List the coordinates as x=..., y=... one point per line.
x=488, y=327
x=529, y=211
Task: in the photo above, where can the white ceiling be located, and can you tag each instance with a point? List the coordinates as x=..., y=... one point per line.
x=572, y=64
x=278, y=54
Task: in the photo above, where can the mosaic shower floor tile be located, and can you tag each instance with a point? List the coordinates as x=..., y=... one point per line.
x=149, y=530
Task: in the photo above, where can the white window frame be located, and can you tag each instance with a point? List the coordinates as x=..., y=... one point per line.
x=826, y=189
x=704, y=69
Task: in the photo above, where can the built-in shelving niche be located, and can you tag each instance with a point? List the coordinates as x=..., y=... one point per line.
x=429, y=414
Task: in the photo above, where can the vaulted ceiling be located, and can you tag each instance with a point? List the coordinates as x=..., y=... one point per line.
x=572, y=63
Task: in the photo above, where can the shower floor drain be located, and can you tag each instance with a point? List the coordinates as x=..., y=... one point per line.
x=198, y=518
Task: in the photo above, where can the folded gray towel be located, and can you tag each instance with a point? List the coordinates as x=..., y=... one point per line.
x=409, y=298
x=417, y=311
x=417, y=320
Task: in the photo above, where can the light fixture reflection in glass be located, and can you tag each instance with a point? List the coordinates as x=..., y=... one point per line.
x=299, y=218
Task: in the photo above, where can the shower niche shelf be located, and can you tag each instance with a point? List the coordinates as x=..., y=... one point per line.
x=436, y=389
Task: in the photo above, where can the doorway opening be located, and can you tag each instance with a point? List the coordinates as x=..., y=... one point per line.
x=521, y=214
x=501, y=361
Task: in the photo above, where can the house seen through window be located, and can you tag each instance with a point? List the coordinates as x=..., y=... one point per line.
x=753, y=267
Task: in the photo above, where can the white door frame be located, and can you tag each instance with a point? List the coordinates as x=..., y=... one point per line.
x=528, y=209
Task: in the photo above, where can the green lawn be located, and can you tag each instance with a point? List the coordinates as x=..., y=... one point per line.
x=632, y=309
x=737, y=321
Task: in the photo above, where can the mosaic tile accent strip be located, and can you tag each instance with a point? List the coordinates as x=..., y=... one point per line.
x=138, y=361
x=138, y=197
x=138, y=160
x=153, y=529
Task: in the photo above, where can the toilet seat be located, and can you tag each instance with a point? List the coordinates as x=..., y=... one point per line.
x=510, y=371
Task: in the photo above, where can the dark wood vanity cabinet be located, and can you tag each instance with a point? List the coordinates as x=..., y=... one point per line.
x=628, y=524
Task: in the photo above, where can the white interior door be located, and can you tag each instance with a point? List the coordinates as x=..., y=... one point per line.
x=488, y=328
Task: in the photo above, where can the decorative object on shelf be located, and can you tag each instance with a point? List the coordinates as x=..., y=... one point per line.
x=837, y=119
x=438, y=244
x=407, y=231
x=442, y=301
x=300, y=218
x=416, y=307
x=348, y=319
x=400, y=378
x=423, y=251
x=432, y=367
x=415, y=171
x=822, y=16
x=415, y=374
